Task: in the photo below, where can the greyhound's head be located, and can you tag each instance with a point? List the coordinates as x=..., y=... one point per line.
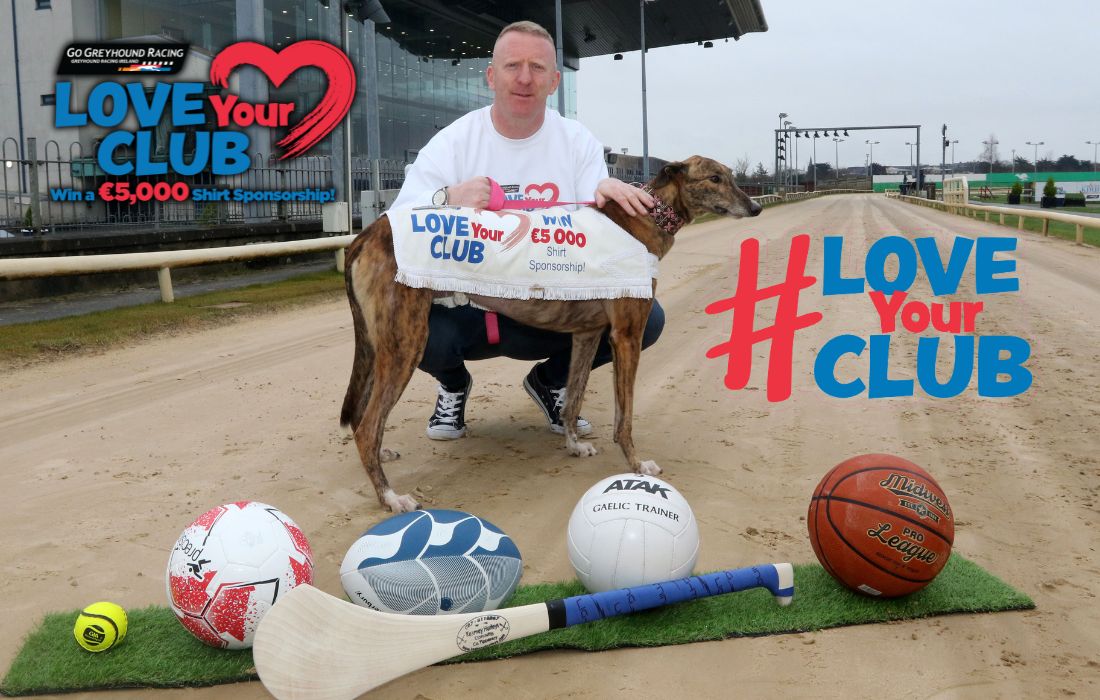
x=699, y=185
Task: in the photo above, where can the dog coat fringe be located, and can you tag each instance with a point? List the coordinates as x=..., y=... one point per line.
x=514, y=254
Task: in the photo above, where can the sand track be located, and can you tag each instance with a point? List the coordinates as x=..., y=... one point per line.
x=107, y=457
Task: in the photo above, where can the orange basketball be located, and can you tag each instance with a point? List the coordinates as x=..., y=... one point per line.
x=881, y=525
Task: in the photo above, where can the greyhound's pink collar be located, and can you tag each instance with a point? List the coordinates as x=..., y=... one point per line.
x=665, y=216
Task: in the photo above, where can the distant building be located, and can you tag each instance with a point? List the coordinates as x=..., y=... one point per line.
x=628, y=168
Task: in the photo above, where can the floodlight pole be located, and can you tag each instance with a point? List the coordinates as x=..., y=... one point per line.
x=1035, y=164
x=943, y=154
x=1094, y=144
x=871, y=162
x=778, y=136
x=991, y=143
x=347, y=123
x=814, y=161
x=916, y=172
x=797, y=173
x=561, y=57
x=645, y=119
x=787, y=150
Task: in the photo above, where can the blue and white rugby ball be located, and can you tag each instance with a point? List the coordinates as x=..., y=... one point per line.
x=432, y=562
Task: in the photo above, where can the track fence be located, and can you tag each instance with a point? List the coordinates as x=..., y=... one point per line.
x=30, y=180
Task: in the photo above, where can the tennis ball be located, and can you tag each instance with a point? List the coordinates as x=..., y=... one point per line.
x=100, y=626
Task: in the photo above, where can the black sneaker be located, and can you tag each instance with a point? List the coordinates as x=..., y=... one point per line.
x=552, y=402
x=448, y=422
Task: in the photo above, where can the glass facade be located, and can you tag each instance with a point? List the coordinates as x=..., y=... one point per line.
x=210, y=24
x=414, y=96
x=418, y=96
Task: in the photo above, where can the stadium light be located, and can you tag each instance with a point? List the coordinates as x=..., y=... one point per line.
x=782, y=139
x=871, y=161
x=1036, y=163
x=991, y=143
x=645, y=116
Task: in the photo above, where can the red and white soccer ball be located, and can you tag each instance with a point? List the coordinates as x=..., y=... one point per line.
x=629, y=530
x=229, y=566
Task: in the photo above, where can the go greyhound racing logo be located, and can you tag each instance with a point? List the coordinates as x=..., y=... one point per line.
x=224, y=152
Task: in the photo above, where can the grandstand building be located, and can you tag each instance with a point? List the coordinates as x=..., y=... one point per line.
x=419, y=67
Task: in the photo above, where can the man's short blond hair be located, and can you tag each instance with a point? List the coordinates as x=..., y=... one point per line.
x=524, y=27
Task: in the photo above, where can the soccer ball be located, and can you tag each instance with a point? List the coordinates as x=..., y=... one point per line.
x=230, y=565
x=631, y=529
x=432, y=562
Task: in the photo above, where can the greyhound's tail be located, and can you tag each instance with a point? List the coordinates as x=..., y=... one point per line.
x=362, y=367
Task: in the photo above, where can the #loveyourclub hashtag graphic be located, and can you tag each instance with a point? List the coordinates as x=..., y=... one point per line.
x=781, y=332
x=998, y=360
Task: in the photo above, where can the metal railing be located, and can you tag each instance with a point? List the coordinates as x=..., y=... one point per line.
x=1022, y=213
x=163, y=261
x=797, y=196
x=28, y=182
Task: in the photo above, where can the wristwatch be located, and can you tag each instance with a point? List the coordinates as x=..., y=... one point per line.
x=439, y=199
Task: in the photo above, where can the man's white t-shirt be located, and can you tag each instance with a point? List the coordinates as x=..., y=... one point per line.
x=562, y=161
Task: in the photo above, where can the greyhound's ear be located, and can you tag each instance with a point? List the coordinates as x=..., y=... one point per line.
x=667, y=173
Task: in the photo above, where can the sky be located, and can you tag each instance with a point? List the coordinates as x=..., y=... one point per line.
x=1020, y=71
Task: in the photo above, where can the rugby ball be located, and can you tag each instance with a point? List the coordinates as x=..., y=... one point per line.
x=432, y=562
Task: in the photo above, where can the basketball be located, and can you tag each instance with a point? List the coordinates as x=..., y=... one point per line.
x=881, y=525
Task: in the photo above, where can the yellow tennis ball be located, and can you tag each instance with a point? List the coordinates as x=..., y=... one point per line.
x=100, y=626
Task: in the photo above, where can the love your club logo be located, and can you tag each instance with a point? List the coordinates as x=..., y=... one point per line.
x=223, y=151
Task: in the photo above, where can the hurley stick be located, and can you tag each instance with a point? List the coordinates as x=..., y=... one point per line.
x=313, y=646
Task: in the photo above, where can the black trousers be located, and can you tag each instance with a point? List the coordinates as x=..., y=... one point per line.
x=458, y=334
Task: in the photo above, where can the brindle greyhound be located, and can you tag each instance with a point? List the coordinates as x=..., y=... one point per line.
x=391, y=320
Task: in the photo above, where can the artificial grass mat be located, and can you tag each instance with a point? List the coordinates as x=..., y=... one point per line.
x=159, y=653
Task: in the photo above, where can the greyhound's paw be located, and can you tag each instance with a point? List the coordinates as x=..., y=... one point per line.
x=400, y=504
x=581, y=449
x=387, y=455
x=648, y=467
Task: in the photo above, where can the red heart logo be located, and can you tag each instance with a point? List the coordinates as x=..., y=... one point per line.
x=501, y=221
x=279, y=66
x=546, y=192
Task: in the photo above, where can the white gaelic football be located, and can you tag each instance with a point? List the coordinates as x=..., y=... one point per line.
x=431, y=562
x=228, y=568
x=631, y=529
